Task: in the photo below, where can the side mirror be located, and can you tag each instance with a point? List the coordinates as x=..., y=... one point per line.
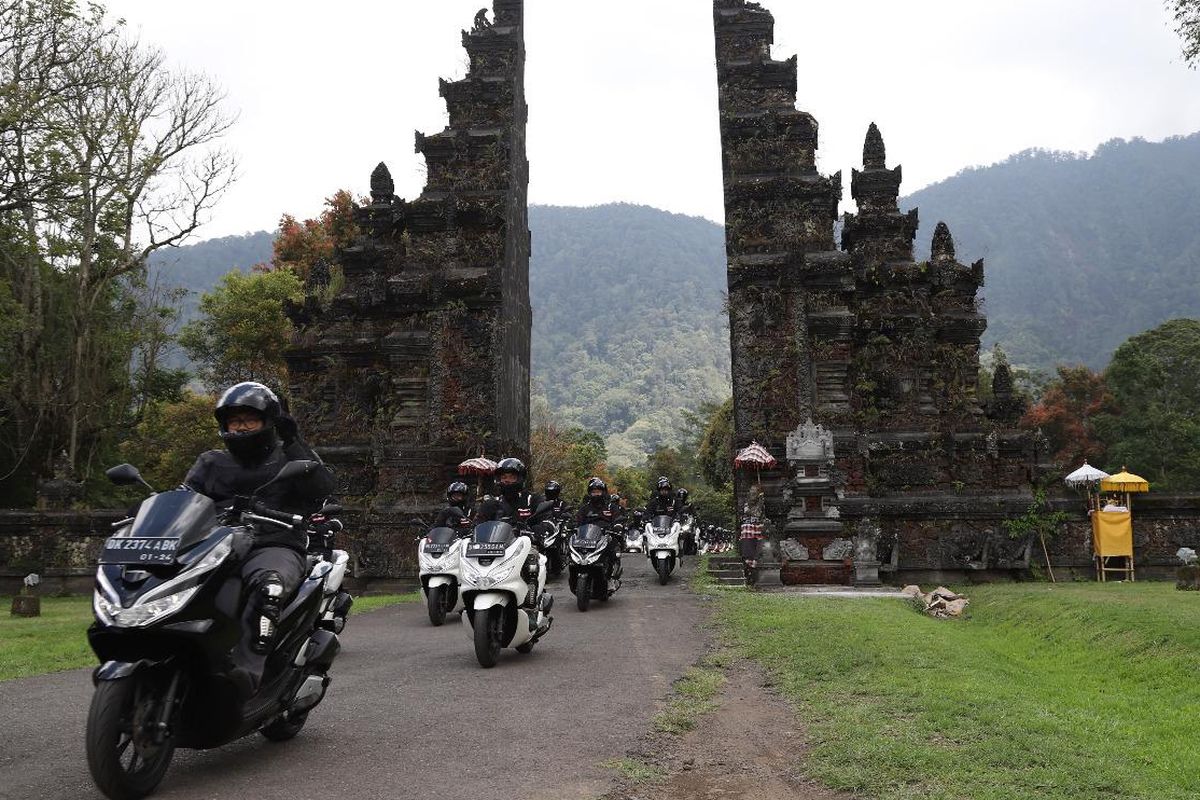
x=291, y=470
x=331, y=508
x=544, y=506
x=126, y=475
x=457, y=510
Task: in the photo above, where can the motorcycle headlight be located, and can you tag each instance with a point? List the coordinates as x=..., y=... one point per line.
x=593, y=557
x=141, y=615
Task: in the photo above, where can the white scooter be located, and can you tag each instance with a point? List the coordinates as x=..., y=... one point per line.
x=439, y=556
x=503, y=591
x=662, y=545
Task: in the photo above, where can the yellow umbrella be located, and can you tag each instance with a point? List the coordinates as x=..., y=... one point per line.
x=1124, y=481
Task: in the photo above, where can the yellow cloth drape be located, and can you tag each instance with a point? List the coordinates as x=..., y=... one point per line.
x=1112, y=533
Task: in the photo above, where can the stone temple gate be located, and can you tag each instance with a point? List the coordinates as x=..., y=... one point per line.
x=850, y=359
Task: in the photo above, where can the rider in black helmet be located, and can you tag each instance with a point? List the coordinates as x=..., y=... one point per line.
x=597, y=509
x=259, y=439
x=514, y=505
x=457, y=513
x=663, y=501
x=553, y=494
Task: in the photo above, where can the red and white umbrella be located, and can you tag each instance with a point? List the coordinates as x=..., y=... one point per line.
x=754, y=456
x=477, y=466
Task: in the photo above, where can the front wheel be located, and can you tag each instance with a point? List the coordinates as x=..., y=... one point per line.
x=285, y=727
x=125, y=760
x=489, y=626
x=664, y=570
x=583, y=591
x=436, y=603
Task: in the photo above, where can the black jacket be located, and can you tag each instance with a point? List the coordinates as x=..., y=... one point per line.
x=589, y=514
x=522, y=510
x=662, y=505
x=220, y=476
x=450, y=517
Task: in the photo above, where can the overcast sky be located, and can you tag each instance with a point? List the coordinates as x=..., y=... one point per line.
x=622, y=93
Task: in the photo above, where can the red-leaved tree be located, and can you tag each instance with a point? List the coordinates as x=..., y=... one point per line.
x=1067, y=415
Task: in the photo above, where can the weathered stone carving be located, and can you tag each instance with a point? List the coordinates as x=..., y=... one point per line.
x=810, y=442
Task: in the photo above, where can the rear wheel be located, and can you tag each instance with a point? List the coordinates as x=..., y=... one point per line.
x=436, y=603
x=664, y=570
x=583, y=591
x=489, y=626
x=125, y=760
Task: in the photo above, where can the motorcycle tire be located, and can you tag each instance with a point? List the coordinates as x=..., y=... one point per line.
x=115, y=705
x=583, y=592
x=435, y=602
x=664, y=571
x=284, y=728
x=489, y=626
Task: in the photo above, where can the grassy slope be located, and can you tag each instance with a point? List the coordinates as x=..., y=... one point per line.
x=57, y=639
x=1068, y=691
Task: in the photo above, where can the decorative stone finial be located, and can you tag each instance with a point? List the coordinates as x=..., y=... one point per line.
x=481, y=20
x=382, y=186
x=942, y=248
x=874, y=153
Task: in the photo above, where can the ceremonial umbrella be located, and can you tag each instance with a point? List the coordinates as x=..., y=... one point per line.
x=479, y=467
x=1085, y=476
x=754, y=456
x=1126, y=483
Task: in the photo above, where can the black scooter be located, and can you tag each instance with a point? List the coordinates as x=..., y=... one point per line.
x=168, y=606
x=595, y=569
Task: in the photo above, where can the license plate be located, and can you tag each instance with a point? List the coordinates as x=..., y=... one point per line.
x=437, y=549
x=485, y=549
x=123, y=550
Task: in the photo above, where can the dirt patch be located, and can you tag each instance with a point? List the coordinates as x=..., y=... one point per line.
x=749, y=748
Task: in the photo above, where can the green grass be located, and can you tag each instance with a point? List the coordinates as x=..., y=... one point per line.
x=1076, y=691
x=635, y=770
x=50, y=643
x=693, y=695
x=57, y=640
x=373, y=602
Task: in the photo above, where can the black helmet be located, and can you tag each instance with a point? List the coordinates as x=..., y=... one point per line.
x=553, y=490
x=683, y=495
x=664, y=483
x=516, y=467
x=255, y=446
x=458, y=487
x=615, y=497
x=594, y=484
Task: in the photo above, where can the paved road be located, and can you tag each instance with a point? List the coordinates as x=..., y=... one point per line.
x=411, y=714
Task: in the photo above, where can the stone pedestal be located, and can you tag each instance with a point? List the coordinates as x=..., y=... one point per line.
x=27, y=605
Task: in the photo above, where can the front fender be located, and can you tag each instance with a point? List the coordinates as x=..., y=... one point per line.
x=116, y=670
x=485, y=600
x=438, y=580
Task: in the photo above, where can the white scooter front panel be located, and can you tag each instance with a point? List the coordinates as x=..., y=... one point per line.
x=500, y=584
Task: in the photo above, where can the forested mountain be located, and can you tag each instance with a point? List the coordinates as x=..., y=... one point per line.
x=1081, y=252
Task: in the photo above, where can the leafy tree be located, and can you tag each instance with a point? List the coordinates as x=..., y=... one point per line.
x=106, y=155
x=242, y=330
x=1186, y=15
x=1067, y=415
x=716, y=447
x=300, y=245
x=170, y=436
x=1155, y=382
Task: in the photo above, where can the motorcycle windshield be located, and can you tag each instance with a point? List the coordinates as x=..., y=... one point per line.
x=588, y=535
x=494, y=533
x=442, y=536
x=663, y=522
x=187, y=516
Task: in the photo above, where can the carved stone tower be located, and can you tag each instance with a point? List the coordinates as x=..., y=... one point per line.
x=863, y=362
x=422, y=358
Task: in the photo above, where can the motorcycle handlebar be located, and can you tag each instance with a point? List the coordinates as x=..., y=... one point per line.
x=276, y=516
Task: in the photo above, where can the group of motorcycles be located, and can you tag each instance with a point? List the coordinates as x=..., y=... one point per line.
x=169, y=601
x=494, y=573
